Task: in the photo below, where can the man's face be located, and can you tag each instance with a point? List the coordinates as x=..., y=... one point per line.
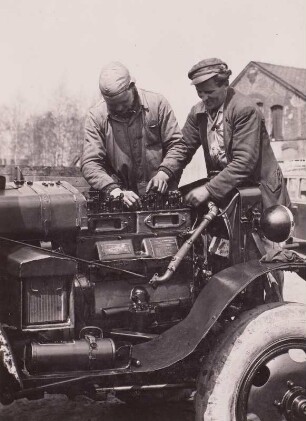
x=122, y=105
x=211, y=94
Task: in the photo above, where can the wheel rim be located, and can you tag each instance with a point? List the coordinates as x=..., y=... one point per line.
x=273, y=388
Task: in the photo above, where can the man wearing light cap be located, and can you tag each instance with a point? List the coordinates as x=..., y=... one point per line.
x=132, y=140
x=236, y=145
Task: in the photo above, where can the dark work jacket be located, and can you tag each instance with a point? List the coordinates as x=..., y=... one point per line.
x=247, y=145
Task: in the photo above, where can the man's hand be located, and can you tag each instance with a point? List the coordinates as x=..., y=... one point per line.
x=129, y=197
x=197, y=196
x=159, y=182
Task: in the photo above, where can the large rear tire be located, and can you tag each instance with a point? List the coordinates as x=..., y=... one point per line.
x=257, y=370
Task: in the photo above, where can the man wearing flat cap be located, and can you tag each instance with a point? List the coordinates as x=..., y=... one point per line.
x=232, y=131
x=132, y=140
x=236, y=145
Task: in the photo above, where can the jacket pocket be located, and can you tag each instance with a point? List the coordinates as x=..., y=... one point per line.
x=152, y=134
x=153, y=149
x=275, y=180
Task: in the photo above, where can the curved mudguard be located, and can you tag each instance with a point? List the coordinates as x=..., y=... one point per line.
x=182, y=339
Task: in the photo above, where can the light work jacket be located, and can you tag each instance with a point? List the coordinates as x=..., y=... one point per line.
x=132, y=154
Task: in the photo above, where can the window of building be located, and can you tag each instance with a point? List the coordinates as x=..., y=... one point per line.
x=277, y=122
x=303, y=188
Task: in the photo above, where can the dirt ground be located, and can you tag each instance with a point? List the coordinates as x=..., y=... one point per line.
x=60, y=408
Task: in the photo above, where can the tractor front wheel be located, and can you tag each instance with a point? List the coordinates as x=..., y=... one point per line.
x=257, y=370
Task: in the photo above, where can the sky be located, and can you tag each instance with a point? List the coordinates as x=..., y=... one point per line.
x=45, y=43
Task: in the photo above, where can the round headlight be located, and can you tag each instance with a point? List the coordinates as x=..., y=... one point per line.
x=277, y=223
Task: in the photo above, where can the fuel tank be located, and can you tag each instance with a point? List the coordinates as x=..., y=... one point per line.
x=41, y=210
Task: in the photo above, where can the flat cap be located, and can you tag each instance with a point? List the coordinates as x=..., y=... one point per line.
x=114, y=79
x=206, y=69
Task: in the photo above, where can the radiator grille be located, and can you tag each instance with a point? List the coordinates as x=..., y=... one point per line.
x=45, y=300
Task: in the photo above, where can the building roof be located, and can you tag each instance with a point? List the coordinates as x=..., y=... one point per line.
x=292, y=78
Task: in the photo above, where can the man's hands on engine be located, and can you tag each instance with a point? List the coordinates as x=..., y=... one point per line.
x=130, y=198
x=197, y=196
x=158, y=183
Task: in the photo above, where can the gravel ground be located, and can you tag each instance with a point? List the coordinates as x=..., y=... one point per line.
x=60, y=408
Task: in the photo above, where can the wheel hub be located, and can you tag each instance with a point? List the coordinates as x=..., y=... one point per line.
x=293, y=403
x=276, y=386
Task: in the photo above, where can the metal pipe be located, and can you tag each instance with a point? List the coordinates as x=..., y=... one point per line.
x=133, y=388
x=176, y=260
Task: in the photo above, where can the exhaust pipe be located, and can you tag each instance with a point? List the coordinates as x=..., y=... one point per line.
x=176, y=260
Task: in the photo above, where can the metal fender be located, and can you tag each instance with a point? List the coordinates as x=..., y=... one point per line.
x=9, y=377
x=182, y=339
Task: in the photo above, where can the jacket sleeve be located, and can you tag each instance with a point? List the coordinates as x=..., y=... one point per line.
x=244, y=153
x=94, y=161
x=174, y=146
x=191, y=136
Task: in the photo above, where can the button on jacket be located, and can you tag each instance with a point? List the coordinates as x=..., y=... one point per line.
x=129, y=153
x=247, y=146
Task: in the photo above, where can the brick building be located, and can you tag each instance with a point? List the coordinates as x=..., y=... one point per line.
x=280, y=91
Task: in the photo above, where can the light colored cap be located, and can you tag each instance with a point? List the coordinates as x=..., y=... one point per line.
x=114, y=79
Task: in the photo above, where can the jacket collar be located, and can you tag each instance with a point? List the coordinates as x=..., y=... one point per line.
x=199, y=108
x=143, y=100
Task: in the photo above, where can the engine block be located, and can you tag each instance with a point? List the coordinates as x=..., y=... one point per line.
x=116, y=232
x=142, y=241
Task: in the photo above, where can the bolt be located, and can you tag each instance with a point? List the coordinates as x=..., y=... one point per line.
x=290, y=384
x=277, y=403
x=136, y=362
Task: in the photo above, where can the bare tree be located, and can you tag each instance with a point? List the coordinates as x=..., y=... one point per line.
x=53, y=137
